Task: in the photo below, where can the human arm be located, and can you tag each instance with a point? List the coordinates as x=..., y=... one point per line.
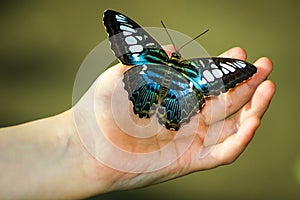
x=47, y=157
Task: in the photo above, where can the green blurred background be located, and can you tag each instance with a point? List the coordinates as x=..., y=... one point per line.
x=42, y=44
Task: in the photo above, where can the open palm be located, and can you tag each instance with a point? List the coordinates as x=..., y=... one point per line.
x=141, y=152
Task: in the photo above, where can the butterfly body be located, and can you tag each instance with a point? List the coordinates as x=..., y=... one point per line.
x=172, y=87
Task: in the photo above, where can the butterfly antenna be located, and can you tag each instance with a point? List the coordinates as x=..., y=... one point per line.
x=168, y=34
x=193, y=39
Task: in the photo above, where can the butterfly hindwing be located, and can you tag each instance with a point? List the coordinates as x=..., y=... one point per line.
x=153, y=87
x=142, y=90
x=131, y=43
x=179, y=106
x=222, y=74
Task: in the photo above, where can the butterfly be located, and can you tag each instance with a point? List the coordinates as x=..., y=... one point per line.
x=172, y=87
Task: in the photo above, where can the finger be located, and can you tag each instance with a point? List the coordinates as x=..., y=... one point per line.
x=220, y=131
x=259, y=102
x=237, y=132
x=262, y=98
x=109, y=79
x=169, y=49
x=233, y=146
x=224, y=105
x=235, y=52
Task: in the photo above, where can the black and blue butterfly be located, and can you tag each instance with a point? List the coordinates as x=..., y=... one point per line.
x=173, y=87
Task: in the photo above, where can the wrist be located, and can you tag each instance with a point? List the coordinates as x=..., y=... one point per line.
x=46, y=158
x=80, y=173
x=74, y=167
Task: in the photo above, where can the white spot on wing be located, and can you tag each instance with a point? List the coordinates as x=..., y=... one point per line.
x=130, y=40
x=135, y=48
x=136, y=56
x=191, y=87
x=203, y=81
x=240, y=64
x=126, y=28
x=225, y=70
x=217, y=73
x=150, y=44
x=208, y=76
x=143, y=69
x=122, y=19
x=139, y=37
x=213, y=65
x=228, y=67
x=118, y=17
x=201, y=63
x=125, y=33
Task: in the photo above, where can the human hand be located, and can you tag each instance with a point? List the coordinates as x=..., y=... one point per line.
x=96, y=147
x=188, y=150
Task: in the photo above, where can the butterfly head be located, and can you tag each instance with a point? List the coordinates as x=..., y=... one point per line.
x=176, y=55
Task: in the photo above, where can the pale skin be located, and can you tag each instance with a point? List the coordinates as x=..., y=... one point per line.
x=46, y=158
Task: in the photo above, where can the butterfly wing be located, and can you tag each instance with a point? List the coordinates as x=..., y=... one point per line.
x=221, y=74
x=142, y=90
x=131, y=43
x=179, y=105
x=153, y=87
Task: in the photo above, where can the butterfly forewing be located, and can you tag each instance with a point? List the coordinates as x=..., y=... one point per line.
x=131, y=43
x=222, y=74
